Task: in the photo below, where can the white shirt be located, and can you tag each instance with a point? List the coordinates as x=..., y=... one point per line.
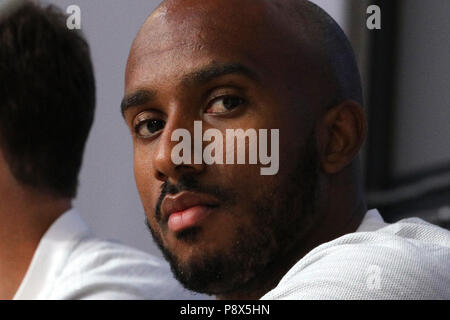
x=409, y=259
x=70, y=263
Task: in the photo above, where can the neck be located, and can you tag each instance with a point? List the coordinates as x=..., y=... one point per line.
x=339, y=214
x=265, y=282
x=26, y=215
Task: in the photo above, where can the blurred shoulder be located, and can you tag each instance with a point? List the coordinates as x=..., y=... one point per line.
x=105, y=269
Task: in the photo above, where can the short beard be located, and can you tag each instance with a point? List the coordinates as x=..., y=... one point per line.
x=281, y=217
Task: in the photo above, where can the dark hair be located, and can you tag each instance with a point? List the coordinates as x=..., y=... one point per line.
x=47, y=98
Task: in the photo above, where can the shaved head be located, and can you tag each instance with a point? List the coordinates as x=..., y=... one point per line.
x=245, y=64
x=328, y=41
x=298, y=32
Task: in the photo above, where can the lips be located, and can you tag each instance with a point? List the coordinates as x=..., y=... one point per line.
x=187, y=209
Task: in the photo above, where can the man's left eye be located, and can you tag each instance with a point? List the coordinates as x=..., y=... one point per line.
x=224, y=104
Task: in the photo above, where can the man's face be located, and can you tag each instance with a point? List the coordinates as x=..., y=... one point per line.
x=220, y=225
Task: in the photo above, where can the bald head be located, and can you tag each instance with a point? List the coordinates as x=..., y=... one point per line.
x=331, y=44
x=298, y=40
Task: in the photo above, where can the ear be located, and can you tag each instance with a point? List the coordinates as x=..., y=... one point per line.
x=341, y=134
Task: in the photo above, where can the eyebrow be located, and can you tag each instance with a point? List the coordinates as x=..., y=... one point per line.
x=197, y=77
x=136, y=99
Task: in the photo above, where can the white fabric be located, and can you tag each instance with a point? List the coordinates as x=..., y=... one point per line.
x=70, y=263
x=409, y=259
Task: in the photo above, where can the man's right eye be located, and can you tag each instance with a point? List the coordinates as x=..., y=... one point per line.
x=148, y=128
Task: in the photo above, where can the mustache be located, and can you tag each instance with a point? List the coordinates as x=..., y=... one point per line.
x=190, y=183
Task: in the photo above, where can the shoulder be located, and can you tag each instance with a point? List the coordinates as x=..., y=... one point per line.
x=101, y=269
x=405, y=260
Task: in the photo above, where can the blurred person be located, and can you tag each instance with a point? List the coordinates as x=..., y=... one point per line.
x=227, y=230
x=47, y=91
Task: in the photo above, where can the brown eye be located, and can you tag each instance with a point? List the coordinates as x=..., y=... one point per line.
x=224, y=104
x=148, y=128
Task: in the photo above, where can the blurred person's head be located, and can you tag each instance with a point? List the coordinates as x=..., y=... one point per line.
x=47, y=100
x=226, y=229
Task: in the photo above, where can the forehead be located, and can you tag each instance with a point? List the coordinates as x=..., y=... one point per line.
x=189, y=21
x=172, y=43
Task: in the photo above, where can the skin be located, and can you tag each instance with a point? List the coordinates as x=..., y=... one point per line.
x=26, y=214
x=289, y=88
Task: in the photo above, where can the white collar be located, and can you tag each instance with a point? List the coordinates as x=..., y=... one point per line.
x=52, y=253
x=372, y=221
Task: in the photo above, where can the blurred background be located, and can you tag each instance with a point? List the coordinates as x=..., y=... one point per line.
x=405, y=68
x=406, y=75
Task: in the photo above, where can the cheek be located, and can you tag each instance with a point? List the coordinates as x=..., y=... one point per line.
x=146, y=184
x=148, y=187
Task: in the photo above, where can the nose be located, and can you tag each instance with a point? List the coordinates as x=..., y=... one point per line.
x=163, y=165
